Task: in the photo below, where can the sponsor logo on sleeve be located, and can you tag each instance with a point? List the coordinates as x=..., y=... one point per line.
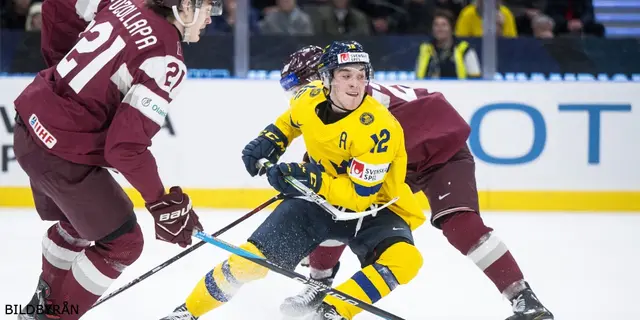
x=369, y=173
x=147, y=102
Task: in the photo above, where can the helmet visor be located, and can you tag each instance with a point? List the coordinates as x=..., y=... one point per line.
x=290, y=81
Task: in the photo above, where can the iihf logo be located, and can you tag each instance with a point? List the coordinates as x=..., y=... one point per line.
x=41, y=132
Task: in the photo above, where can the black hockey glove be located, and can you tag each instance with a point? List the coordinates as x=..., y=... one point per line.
x=309, y=174
x=270, y=144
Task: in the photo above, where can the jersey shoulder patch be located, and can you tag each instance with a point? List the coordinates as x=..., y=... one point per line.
x=306, y=99
x=309, y=93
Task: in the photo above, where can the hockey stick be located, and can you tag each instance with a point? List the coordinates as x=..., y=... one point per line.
x=187, y=251
x=337, y=214
x=295, y=276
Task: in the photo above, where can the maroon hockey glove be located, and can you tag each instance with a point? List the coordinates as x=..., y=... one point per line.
x=174, y=217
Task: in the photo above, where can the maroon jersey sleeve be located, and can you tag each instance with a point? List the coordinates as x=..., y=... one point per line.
x=434, y=130
x=154, y=84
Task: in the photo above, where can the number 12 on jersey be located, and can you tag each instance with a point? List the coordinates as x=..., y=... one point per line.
x=380, y=141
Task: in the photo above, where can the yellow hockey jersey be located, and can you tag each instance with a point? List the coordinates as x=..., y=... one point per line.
x=363, y=154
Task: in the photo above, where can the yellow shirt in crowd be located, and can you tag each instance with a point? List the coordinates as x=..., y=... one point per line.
x=469, y=23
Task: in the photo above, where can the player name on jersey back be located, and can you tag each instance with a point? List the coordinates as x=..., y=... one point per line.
x=137, y=26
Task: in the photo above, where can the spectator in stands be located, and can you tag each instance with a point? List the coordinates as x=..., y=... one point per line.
x=14, y=14
x=575, y=17
x=524, y=11
x=288, y=18
x=420, y=16
x=542, y=26
x=453, y=6
x=421, y=13
x=446, y=56
x=469, y=22
x=387, y=16
x=34, y=17
x=339, y=18
x=226, y=22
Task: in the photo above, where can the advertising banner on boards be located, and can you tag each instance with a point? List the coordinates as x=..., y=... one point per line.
x=538, y=146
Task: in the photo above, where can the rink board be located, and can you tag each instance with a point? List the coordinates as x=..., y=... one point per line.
x=538, y=145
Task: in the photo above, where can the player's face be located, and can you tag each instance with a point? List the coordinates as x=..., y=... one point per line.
x=348, y=86
x=203, y=19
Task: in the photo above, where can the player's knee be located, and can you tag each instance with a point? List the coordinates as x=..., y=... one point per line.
x=403, y=260
x=123, y=246
x=244, y=270
x=464, y=230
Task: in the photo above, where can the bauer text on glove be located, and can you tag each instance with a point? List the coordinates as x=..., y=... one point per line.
x=174, y=217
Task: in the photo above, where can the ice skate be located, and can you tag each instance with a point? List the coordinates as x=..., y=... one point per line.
x=327, y=312
x=36, y=308
x=180, y=313
x=308, y=300
x=526, y=306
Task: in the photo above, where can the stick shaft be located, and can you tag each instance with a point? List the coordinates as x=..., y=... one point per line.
x=186, y=252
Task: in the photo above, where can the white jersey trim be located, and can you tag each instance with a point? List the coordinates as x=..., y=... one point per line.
x=150, y=104
x=122, y=78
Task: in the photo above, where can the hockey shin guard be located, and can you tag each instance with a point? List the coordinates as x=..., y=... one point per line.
x=324, y=258
x=60, y=247
x=93, y=271
x=220, y=284
x=397, y=265
x=467, y=233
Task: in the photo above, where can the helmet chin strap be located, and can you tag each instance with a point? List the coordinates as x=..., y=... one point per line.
x=187, y=26
x=337, y=106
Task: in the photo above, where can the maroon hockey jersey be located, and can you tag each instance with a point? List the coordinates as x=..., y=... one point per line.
x=62, y=22
x=434, y=131
x=110, y=94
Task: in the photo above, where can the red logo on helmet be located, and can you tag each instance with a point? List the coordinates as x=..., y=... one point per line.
x=343, y=57
x=357, y=168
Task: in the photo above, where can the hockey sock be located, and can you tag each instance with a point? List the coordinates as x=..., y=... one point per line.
x=467, y=233
x=60, y=247
x=220, y=284
x=397, y=265
x=93, y=271
x=324, y=258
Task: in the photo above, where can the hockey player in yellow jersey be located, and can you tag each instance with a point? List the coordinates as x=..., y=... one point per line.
x=358, y=163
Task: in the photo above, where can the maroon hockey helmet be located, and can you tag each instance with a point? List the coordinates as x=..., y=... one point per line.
x=301, y=67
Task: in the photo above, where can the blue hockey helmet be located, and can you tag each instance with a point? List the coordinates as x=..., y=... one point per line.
x=342, y=53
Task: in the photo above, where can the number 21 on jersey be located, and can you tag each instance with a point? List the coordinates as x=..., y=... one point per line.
x=102, y=34
x=401, y=92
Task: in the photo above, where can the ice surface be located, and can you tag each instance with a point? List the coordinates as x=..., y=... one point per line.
x=582, y=266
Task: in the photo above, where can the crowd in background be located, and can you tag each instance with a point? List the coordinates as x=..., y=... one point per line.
x=539, y=18
x=443, y=22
